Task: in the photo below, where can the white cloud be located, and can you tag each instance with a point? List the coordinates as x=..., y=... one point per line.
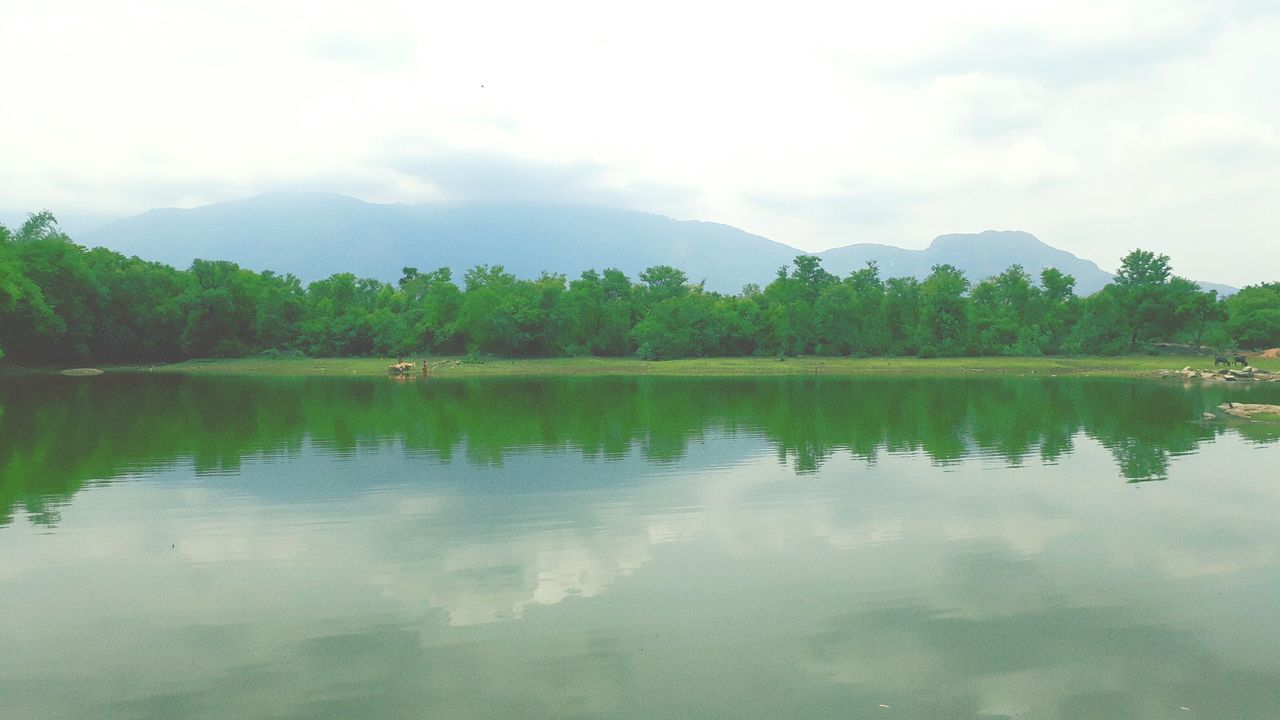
x=1039, y=115
x=1217, y=132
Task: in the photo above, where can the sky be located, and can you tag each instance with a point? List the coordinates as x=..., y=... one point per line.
x=1097, y=126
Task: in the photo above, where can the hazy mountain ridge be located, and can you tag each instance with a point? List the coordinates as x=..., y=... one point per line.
x=314, y=235
x=980, y=255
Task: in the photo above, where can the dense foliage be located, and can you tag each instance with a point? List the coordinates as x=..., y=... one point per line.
x=61, y=302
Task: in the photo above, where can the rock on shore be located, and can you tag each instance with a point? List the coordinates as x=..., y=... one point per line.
x=1248, y=372
x=1248, y=410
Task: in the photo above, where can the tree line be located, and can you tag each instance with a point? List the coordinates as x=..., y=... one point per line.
x=60, y=301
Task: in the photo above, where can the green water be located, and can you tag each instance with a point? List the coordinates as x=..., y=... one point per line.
x=636, y=548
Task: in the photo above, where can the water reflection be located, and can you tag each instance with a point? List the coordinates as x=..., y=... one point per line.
x=477, y=550
x=57, y=434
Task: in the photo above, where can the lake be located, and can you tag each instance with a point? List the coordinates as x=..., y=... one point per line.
x=175, y=547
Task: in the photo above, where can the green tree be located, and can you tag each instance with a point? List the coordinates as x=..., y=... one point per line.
x=1145, y=304
x=140, y=314
x=1061, y=308
x=1006, y=316
x=216, y=323
x=14, y=286
x=660, y=282
x=943, y=324
x=340, y=315
x=1193, y=311
x=836, y=319
x=902, y=315
x=1103, y=328
x=598, y=314
x=695, y=324
x=787, y=314
x=52, y=293
x=1143, y=268
x=850, y=315
x=1253, y=316
x=431, y=305
x=1142, y=292
x=871, y=332
x=504, y=315
x=280, y=304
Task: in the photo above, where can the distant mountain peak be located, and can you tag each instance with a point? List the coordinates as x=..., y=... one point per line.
x=1006, y=238
x=978, y=255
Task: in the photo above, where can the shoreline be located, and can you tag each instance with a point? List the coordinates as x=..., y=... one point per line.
x=1131, y=366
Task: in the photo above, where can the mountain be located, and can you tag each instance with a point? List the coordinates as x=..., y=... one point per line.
x=314, y=235
x=979, y=255
x=1222, y=290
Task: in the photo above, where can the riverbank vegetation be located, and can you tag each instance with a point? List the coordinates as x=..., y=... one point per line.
x=63, y=303
x=809, y=365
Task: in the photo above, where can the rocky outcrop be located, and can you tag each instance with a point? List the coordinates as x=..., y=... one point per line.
x=1248, y=410
x=1246, y=373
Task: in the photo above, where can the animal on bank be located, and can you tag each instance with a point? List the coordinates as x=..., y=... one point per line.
x=400, y=367
x=1240, y=359
x=1221, y=360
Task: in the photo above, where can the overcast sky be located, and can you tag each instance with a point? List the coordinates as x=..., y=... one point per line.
x=1097, y=126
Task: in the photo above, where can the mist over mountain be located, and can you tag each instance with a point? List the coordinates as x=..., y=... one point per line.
x=314, y=235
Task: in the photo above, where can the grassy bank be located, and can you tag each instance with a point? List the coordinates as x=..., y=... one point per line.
x=1127, y=366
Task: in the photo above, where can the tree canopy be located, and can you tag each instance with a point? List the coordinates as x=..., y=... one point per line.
x=60, y=302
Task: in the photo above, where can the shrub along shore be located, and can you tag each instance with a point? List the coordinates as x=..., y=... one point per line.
x=463, y=367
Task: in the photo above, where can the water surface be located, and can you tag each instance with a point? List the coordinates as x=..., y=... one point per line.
x=635, y=548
